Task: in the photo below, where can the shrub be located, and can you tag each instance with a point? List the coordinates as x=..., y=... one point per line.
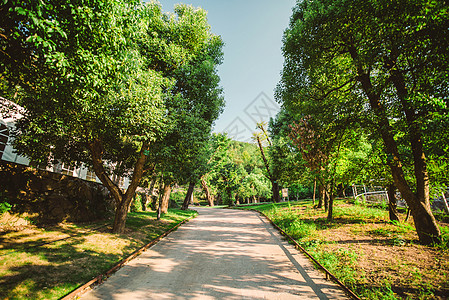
x=4, y=207
x=136, y=205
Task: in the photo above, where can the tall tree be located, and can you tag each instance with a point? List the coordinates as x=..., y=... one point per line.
x=236, y=171
x=261, y=137
x=320, y=149
x=391, y=58
x=195, y=104
x=100, y=98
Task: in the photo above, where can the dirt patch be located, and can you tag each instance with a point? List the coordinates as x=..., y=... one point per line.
x=377, y=259
x=10, y=222
x=391, y=254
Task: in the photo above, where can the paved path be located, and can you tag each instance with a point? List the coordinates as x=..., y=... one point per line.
x=221, y=254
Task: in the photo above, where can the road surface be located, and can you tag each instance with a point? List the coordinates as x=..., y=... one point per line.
x=221, y=254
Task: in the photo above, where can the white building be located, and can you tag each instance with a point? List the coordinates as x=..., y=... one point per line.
x=10, y=112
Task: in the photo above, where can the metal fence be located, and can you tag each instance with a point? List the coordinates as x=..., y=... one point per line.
x=378, y=195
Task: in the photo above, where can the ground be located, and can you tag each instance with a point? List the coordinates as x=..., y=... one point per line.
x=48, y=262
x=382, y=255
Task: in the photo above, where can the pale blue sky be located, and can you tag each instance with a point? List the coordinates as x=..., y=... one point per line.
x=252, y=31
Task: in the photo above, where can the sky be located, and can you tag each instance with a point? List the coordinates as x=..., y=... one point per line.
x=252, y=31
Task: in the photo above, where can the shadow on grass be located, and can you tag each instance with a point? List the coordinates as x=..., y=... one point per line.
x=321, y=223
x=403, y=292
x=54, y=270
x=52, y=234
x=137, y=220
x=52, y=266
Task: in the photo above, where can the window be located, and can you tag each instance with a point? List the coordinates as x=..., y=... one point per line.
x=4, y=133
x=120, y=181
x=90, y=176
x=64, y=169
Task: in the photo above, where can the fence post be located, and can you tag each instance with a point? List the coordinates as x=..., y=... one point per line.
x=446, y=207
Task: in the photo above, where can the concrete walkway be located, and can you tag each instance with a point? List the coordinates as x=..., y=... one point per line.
x=221, y=254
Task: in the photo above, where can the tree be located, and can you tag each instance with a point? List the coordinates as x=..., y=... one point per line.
x=390, y=57
x=195, y=104
x=286, y=160
x=235, y=171
x=320, y=149
x=218, y=154
x=101, y=97
x=261, y=137
x=255, y=186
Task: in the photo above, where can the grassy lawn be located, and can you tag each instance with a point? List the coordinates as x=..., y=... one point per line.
x=48, y=263
x=375, y=258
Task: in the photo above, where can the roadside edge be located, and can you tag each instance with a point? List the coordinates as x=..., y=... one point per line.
x=78, y=292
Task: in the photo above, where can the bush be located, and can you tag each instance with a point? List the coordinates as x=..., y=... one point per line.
x=301, y=191
x=178, y=197
x=136, y=205
x=4, y=207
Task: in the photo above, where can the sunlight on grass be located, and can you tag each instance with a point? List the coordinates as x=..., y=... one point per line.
x=311, y=229
x=32, y=268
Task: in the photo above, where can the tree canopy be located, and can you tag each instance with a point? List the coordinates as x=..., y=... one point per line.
x=380, y=64
x=102, y=81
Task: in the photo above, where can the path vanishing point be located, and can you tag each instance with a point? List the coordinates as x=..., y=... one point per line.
x=221, y=254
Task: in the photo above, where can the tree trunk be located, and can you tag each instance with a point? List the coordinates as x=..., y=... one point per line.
x=230, y=198
x=121, y=213
x=325, y=199
x=158, y=214
x=143, y=201
x=419, y=203
x=423, y=216
x=147, y=201
x=275, y=189
x=188, y=198
x=209, y=197
x=154, y=202
x=149, y=198
x=314, y=192
x=165, y=198
x=123, y=201
x=408, y=215
x=322, y=195
x=274, y=183
x=392, y=203
x=446, y=206
x=330, y=211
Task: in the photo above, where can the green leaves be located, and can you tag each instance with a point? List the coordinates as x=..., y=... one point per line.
x=107, y=71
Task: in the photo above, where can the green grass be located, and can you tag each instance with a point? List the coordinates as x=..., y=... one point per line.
x=444, y=246
x=308, y=225
x=360, y=214
x=30, y=269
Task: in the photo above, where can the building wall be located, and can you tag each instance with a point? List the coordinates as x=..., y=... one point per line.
x=48, y=197
x=9, y=114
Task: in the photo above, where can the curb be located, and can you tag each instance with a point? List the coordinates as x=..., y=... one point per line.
x=75, y=294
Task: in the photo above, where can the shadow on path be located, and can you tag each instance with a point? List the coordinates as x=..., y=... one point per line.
x=222, y=254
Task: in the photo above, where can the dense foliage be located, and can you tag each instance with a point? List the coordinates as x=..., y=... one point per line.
x=102, y=81
x=236, y=172
x=378, y=70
